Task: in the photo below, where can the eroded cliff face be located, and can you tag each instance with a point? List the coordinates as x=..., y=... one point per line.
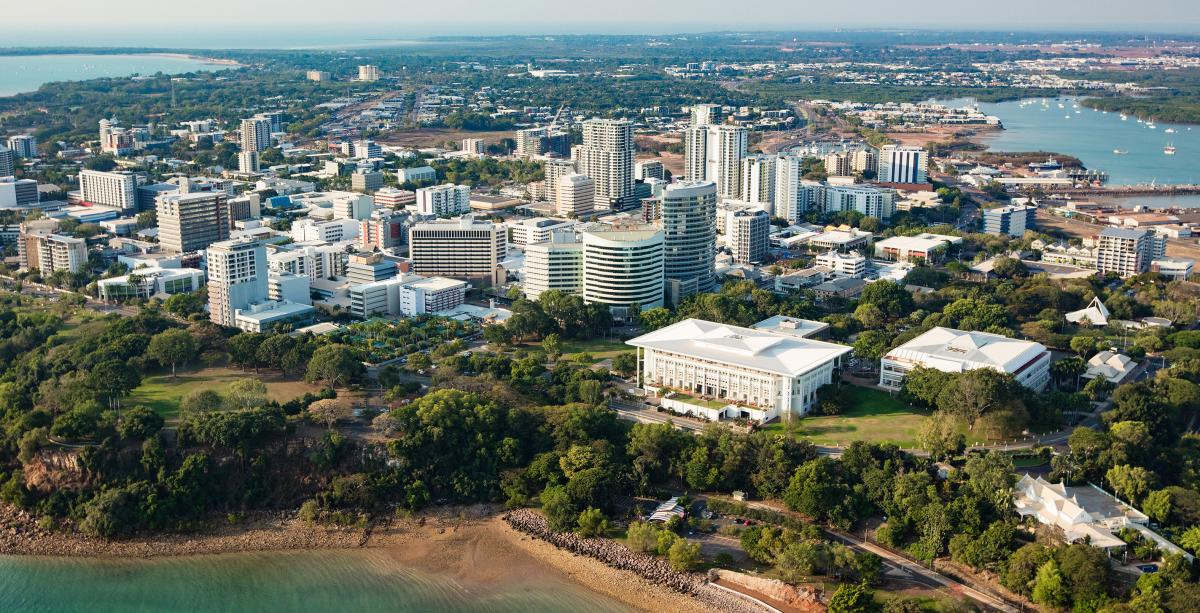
x=55, y=470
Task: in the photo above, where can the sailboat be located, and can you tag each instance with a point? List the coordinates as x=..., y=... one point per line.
x=1169, y=131
x=1124, y=117
x=1119, y=152
x=1169, y=150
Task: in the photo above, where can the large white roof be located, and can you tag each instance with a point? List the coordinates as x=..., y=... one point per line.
x=952, y=350
x=741, y=347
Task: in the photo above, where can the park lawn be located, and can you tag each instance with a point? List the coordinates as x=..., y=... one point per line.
x=600, y=348
x=163, y=393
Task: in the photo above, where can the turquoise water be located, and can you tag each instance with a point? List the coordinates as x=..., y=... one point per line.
x=25, y=73
x=1092, y=136
x=358, y=581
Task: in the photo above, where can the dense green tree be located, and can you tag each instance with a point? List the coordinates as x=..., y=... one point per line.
x=172, y=347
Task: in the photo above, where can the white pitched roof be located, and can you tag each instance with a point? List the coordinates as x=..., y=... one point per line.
x=743, y=347
x=952, y=350
x=1094, y=312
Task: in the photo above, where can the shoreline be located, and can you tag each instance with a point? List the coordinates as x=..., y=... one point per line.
x=473, y=544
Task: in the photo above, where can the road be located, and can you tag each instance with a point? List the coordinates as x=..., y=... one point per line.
x=913, y=569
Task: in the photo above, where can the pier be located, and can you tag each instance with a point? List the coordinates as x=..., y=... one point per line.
x=1131, y=190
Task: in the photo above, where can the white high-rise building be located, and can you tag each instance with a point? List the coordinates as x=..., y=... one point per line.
x=706, y=114
x=714, y=153
x=460, y=248
x=237, y=278
x=115, y=189
x=623, y=267
x=474, y=146
x=689, y=223
x=248, y=161
x=444, y=200
x=18, y=193
x=256, y=134
x=871, y=201
x=317, y=75
x=553, y=170
x=607, y=157
x=758, y=181
x=576, y=195
x=368, y=72
x=902, y=164
x=23, y=146
x=1128, y=251
x=749, y=235
x=649, y=169
x=556, y=264
x=48, y=252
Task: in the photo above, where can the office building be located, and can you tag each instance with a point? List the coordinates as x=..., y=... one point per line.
x=363, y=149
x=843, y=265
x=416, y=175
x=623, y=267
x=383, y=229
x=444, y=200
x=461, y=248
x=256, y=134
x=407, y=295
x=758, y=181
x=920, y=247
x=145, y=283
x=607, y=157
x=553, y=170
x=285, y=286
x=689, y=223
x=749, y=235
x=18, y=193
x=189, y=222
x=115, y=189
x=1128, y=251
x=714, y=153
x=575, y=195
x=8, y=162
x=248, y=162
x=22, y=146
x=953, y=351
x=1175, y=269
x=243, y=208
x=237, y=278
x=738, y=372
x=368, y=72
x=366, y=181
x=555, y=264
x=1010, y=220
x=870, y=201
x=369, y=268
x=649, y=169
x=902, y=164
x=328, y=231
x=537, y=229
x=269, y=315
x=317, y=75
x=393, y=198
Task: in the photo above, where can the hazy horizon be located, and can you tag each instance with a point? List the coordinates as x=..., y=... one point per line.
x=309, y=23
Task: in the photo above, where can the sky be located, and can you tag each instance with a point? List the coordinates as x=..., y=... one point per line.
x=262, y=23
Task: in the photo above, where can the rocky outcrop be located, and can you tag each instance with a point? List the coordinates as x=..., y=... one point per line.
x=801, y=598
x=616, y=555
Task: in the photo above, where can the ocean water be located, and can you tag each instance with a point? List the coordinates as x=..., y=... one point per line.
x=25, y=73
x=1092, y=136
x=361, y=581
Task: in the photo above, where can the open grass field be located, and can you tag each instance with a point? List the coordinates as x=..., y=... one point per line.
x=163, y=393
x=875, y=417
x=600, y=348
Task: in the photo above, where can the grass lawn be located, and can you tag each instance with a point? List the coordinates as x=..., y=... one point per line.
x=162, y=393
x=703, y=402
x=600, y=348
x=875, y=417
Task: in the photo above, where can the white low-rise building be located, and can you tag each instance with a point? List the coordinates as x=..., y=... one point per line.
x=148, y=282
x=264, y=316
x=1111, y=366
x=723, y=371
x=924, y=246
x=843, y=265
x=1173, y=268
x=1085, y=514
x=950, y=350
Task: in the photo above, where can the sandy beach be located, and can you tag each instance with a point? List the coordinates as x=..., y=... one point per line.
x=472, y=544
x=201, y=58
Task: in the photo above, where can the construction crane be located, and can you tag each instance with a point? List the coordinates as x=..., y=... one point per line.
x=550, y=130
